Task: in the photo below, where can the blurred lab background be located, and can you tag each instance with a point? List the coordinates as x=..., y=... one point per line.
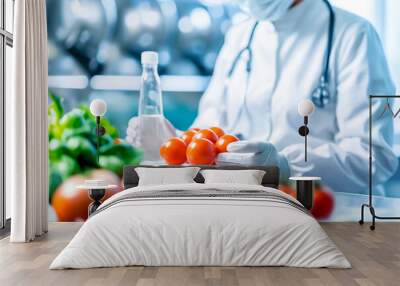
x=95, y=46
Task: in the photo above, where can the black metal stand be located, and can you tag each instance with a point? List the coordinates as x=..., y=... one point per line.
x=96, y=195
x=100, y=131
x=305, y=193
x=370, y=183
x=303, y=131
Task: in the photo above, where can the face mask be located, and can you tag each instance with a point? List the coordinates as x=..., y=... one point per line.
x=270, y=10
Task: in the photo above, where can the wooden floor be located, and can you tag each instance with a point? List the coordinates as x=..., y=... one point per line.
x=375, y=257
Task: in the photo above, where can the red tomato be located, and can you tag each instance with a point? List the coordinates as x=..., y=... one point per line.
x=206, y=134
x=218, y=131
x=288, y=190
x=71, y=204
x=224, y=141
x=187, y=136
x=174, y=151
x=201, y=152
x=195, y=129
x=324, y=203
x=162, y=150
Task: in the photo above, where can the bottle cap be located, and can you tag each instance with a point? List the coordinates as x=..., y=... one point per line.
x=149, y=58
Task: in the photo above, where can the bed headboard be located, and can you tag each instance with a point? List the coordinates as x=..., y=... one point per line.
x=271, y=177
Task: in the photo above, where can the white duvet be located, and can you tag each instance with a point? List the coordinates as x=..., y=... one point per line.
x=200, y=231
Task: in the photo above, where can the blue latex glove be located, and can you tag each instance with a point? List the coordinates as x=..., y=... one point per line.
x=254, y=153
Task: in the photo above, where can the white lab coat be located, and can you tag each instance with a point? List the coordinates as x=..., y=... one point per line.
x=287, y=65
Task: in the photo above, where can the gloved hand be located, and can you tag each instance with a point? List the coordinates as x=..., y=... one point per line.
x=149, y=133
x=254, y=153
x=132, y=131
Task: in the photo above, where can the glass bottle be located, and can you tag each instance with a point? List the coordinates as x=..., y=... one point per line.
x=151, y=119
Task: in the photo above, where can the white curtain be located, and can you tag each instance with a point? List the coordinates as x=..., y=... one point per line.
x=26, y=117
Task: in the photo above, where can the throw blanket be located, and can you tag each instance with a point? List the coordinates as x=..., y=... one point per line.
x=206, y=194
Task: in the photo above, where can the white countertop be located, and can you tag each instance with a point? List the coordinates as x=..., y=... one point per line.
x=91, y=187
x=305, y=178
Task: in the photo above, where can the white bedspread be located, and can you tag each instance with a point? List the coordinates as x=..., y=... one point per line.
x=200, y=231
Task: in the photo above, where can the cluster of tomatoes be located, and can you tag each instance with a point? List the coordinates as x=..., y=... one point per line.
x=196, y=146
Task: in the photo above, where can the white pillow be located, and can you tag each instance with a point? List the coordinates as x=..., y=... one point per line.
x=248, y=177
x=166, y=176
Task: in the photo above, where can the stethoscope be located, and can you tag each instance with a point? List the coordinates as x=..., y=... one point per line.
x=320, y=95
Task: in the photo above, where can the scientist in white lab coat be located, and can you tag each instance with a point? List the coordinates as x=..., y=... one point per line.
x=288, y=45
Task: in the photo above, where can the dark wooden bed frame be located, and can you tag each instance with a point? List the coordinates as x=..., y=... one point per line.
x=270, y=179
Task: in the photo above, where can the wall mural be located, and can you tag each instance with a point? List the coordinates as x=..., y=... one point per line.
x=95, y=52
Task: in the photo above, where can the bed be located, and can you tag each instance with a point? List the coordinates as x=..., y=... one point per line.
x=197, y=224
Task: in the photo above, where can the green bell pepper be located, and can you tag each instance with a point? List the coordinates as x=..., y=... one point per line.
x=65, y=166
x=112, y=163
x=82, y=150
